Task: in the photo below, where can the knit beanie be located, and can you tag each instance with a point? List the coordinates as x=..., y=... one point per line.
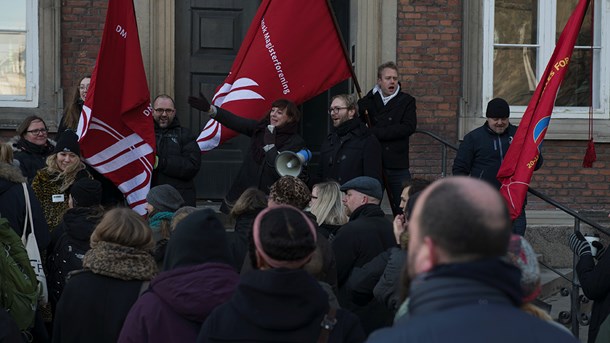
x=522, y=255
x=165, y=198
x=199, y=238
x=86, y=192
x=497, y=108
x=67, y=142
x=290, y=190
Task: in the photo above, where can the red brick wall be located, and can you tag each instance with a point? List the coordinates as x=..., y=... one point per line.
x=429, y=53
x=82, y=24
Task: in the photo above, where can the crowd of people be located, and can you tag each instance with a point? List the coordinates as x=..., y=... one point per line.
x=310, y=258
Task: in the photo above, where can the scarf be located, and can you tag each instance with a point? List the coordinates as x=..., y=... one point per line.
x=120, y=262
x=43, y=150
x=264, y=140
x=347, y=126
x=386, y=99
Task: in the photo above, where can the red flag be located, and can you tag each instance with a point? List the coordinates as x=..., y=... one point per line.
x=292, y=50
x=116, y=130
x=516, y=170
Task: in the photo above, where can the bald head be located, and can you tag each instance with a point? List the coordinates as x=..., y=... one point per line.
x=466, y=219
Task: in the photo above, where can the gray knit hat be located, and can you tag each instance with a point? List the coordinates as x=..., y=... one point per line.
x=165, y=198
x=522, y=255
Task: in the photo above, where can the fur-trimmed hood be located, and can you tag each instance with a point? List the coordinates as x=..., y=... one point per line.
x=11, y=173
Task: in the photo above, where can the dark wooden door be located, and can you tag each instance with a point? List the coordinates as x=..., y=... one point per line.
x=208, y=36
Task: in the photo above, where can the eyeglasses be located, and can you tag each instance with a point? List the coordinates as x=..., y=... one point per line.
x=336, y=109
x=38, y=131
x=166, y=110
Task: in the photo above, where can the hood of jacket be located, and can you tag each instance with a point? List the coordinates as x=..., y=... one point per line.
x=9, y=175
x=194, y=291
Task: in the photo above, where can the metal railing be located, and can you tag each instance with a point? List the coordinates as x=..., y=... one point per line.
x=578, y=219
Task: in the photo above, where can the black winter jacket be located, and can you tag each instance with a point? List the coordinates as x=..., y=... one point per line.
x=179, y=160
x=392, y=124
x=482, y=152
x=254, y=174
x=277, y=305
x=349, y=151
x=12, y=204
x=31, y=157
x=595, y=282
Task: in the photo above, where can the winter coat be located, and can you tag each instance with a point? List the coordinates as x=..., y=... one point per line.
x=392, y=124
x=71, y=236
x=473, y=304
x=252, y=173
x=482, y=152
x=31, y=157
x=277, y=305
x=349, y=151
x=95, y=301
x=367, y=234
x=45, y=187
x=238, y=238
x=179, y=160
x=595, y=282
x=177, y=303
x=13, y=207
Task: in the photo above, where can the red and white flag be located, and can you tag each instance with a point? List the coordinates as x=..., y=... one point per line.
x=292, y=50
x=516, y=170
x=116, y=129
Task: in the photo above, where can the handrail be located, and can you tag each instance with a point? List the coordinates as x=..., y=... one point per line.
x=578, y=218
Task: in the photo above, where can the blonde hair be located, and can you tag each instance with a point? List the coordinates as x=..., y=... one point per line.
x=6, y=153
x=68, y=176
x=536, y=312
x=329, y=209
x=123, y=226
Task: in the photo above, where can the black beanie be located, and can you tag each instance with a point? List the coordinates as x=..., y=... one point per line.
x=199, y=238
x=86, y=192
x=165, y=198
x=497, y=108
x=67, y=142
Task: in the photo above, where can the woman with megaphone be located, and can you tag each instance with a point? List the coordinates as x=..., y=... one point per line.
x=275, y=133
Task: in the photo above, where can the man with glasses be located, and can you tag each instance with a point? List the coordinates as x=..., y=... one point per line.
x=178, y=156
x=390, y=114
x=350, y=150
x=32, y=146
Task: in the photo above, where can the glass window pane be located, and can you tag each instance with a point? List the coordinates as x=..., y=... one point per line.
x=564, y=10
x=12, y=16
x=12, y=64
x=575, y=87
x=514, y=74
x=515, y=22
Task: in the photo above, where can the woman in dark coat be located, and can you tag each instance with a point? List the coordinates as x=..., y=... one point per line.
x=275, y=133
x=96, y=300
x=197, y=277
x=280, y=302
x=32, y=146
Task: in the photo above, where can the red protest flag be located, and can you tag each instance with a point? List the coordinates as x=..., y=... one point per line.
x=516, y=170
x=116, y=130
x=292, y=50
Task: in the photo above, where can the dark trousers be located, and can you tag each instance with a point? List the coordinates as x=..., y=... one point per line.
x=395, y=178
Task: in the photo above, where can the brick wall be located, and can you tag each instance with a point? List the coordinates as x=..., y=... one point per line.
x=429, y=52
x=82, y=24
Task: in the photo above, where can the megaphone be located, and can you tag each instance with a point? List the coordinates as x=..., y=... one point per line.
x=291, y=163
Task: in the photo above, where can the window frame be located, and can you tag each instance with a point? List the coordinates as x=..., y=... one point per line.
x=546, y=32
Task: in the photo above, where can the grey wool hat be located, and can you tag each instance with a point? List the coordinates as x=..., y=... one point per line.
x=365, y=185
x=165, y=198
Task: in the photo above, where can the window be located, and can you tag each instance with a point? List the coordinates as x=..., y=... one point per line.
x=18, y=53
x=519, y=38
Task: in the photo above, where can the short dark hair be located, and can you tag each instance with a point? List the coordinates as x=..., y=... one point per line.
x=385, y=65
x=462, y=227
x=417, y=185
x=292, y=111
x=252, y=200
x=285, y=234
x=23, y=127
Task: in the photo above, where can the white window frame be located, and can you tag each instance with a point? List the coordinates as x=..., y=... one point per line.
x=32, y=68
x=546, y=39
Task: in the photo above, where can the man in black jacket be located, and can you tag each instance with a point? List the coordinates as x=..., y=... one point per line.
x=350, y=150
x=461, y=288
x=178, y=155
x=481, y=153
x=390, y=115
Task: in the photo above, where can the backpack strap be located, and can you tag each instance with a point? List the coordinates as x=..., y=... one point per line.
x=327, y=324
